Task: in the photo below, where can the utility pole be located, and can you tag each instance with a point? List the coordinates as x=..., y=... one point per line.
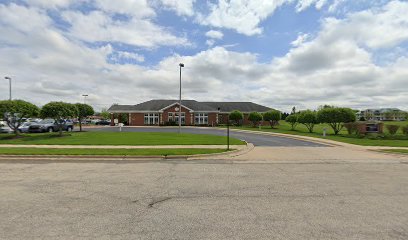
x=179, y=117
x=9, y=78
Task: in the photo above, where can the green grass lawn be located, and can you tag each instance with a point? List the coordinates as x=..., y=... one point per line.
x=399, y=140
x=117, y=152
x=399, y=151
x=118, y=138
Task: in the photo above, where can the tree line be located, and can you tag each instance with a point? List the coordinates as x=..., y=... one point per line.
x=335, y=117
x=15, y=111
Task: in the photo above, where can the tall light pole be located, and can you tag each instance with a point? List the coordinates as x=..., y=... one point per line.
x=179, y=130
x=9, y=78
x=84, y=95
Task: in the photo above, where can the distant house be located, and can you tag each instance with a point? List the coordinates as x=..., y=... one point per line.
x=382, y=114
x=165, y=112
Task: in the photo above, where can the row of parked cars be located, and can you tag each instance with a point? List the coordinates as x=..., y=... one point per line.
x=45, y=125
x=38, y=126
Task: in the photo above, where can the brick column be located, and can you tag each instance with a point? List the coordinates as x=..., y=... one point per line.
x=112, y=119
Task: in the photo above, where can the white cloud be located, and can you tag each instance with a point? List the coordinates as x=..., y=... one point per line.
x=242, y=16
x=246, y=16
x=121, y=55
x=138, y=9
x=99, y=27
x=300, y=39
x=210, y=42
x=181, y=7
x=303, y=4
x=383, y=27
x=214, y=34
x=49, y=4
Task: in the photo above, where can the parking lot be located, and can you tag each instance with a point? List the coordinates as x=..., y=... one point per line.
x=203, y=200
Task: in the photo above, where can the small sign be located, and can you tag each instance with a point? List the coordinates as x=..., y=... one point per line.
x=116, y=121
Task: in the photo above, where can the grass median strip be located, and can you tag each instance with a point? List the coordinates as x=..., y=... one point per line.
x=399, y=140
x=397, y=151
x=118, y=138
x=106, y=152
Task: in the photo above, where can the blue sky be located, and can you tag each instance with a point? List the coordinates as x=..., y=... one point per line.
x=280, y=53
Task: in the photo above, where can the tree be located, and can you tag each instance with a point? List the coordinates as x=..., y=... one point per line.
x=336, y=117
x=292, y=119
x=105, y=114
x=284, y=115
x=15, y=110
x=83, y=111
x=59, y=111
x=392, y=129
x=308, y=118
x=236, y=116
x=255, y=118
x=293, y=110
x=273, y=117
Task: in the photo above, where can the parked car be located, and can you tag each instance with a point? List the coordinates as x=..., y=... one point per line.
x=103, y=122
x=49, y=125
x=4, y=128
x=24, y=127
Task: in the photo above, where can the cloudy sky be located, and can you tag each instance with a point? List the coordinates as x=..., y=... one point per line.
x=280, y=53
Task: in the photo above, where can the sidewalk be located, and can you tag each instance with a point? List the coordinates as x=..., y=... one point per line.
x=238, y=147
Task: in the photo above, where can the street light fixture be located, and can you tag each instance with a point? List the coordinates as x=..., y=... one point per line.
x=179, y=117
x=9, y=78
x=84, y=95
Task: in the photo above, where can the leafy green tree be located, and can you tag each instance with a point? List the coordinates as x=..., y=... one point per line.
x=255, y=118
x=236, y=116
x=308, y=118
x=336, y=117
x=83, y=111
x=105, y=114
x=292, y=119
x=273, y=117
x=59, y=111
x=15, y=110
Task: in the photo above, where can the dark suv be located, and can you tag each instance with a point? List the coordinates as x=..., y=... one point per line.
x=49, y=125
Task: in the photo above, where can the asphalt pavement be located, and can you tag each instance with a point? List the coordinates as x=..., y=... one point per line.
x=256, y=139
x=203, y=200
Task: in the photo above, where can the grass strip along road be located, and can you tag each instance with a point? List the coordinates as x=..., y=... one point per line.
x=397, y=151
x=106, y=152
x=386, y=139
x=118, y=138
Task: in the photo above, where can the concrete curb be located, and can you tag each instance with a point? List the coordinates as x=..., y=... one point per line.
x=248, y=147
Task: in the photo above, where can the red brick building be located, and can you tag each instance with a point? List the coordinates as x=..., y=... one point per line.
x=166, y=112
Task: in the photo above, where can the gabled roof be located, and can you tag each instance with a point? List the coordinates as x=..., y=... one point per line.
x=159, y=105
x=240, y=106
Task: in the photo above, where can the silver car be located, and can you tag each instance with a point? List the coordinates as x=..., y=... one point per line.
x=24, y=127
x=4, y=128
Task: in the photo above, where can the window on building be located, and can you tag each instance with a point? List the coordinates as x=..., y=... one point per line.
x=151, y=118
x=201, y=118
x=183, y=117
x=170, y=118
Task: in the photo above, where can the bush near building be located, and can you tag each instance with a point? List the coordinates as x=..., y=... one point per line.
x=273, y=117
x=255, y=118
x=392, y=129
x=405, y=130
x=236, y=116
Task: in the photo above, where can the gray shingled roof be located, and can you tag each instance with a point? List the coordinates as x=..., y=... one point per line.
x=240, y=106
x=156, y=105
